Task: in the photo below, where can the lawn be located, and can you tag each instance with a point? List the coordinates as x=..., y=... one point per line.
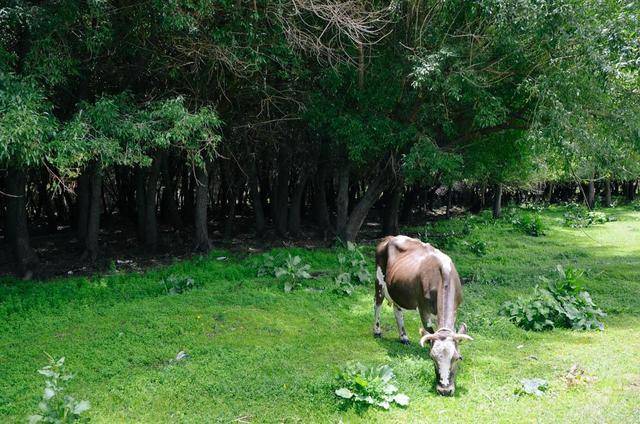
x=258, y=354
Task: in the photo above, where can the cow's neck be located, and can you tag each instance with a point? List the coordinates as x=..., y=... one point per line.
x=446, y=304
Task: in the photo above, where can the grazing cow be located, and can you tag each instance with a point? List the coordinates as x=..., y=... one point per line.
x=415, y=275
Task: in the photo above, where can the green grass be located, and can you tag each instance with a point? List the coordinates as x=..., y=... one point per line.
x=260, y=355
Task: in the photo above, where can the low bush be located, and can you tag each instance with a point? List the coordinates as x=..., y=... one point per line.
x=178, y=285
x=531, y=224
x=578, y=216
x=477, y=247
x=55, y=406
x=292, y=272
x=353, y=269
x=564, y=303
x=366, y=386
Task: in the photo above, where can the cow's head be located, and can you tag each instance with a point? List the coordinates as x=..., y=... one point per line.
x=444, y=352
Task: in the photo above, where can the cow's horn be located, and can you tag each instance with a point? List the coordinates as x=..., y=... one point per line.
x=459, y=337
x=426, y=336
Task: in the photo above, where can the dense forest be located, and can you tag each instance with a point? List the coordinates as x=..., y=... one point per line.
x=306, y=116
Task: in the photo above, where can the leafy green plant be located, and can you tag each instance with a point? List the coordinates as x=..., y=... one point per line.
x=55, y=406
x=532, y=386
x=353, y=269
x=562, y=304
x=531, y=224
x=365, y=385
x=477, y=247
x=268, y=265
x=577, y=216
x=178, y=285
x=292, y=272
x=636, y=205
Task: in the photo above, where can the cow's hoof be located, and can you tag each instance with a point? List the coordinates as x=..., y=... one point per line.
x=377, y=335
x=405, y=341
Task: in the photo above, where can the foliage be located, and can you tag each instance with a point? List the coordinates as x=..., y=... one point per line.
x=532, y=386
x=636, y=205
x=563, y=303
x=447, y=234
x=267, y=265
x=578, y=216
x=292, y=272
x=353, y=269
x=365, y=385
x=530, y=224
x=56, y=407
x=175, y=284
x=477, y=247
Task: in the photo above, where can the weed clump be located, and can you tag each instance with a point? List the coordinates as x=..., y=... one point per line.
x=55, y=406
x=353, y=269
x=369, y=386
x=577, y=216
x=530, y=224
x=564, y=303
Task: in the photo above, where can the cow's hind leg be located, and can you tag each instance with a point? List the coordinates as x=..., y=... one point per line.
x=400, y=321
x=377, y=306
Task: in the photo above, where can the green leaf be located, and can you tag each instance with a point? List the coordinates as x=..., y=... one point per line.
x=81, y=407
x=345, y=393
x=401, y=399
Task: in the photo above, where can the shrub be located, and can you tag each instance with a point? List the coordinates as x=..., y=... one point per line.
x=178, y=285
x=445, y=235
x=531, y=224
x=353, y=269
x=268, y=265
x=562, y=304
x=636, y=205
x=577, y=216
x=478, y=247
x=54, y=406
x=533, y=386
x=293, y=271
x=369, y=386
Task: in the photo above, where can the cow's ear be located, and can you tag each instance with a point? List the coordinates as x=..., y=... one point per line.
x=462, y=329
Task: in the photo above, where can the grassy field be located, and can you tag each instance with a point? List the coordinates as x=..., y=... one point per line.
x=258, y=354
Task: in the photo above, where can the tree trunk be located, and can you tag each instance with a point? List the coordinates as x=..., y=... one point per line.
x=93, y=221
x=295, y=209
x=151, y=220
x=320, y=207
x=256, y=199
x=201, y=231
x=141, y=212
x=17, y=223
x=631, y=190
x=410, y=198
x=342, y=201
x=83, y=206
x=390, y=225
x=361, y=209
x=607, y=193
x=281, y=201
x=170, y=211
x=591, y=193
x=497, y=201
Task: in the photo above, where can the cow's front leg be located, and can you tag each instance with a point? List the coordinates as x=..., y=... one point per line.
x=400, y=321
x=428, y=319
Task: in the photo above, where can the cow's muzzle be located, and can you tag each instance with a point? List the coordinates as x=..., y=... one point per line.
x=446, y=391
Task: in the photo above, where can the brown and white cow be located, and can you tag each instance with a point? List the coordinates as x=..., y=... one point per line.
x=415, y=275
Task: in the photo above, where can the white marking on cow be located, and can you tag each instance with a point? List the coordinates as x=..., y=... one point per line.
x=442, y=351
x=444, y=260
x=400, y=321
x=383, y=284
x=376, y=314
